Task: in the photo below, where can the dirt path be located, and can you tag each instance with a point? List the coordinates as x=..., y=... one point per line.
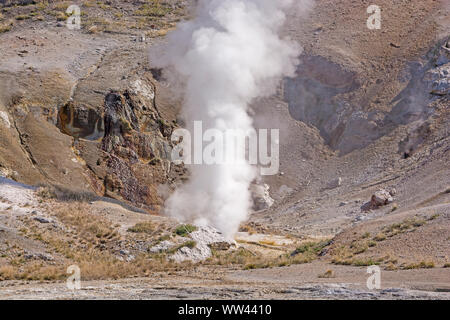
x=296, y=282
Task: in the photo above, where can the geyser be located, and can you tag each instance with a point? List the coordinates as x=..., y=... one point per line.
x=228, y=55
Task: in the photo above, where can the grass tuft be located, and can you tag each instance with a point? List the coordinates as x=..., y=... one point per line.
x=328, y=274
x=420, y=265
x=142, y=227
x=184, y=230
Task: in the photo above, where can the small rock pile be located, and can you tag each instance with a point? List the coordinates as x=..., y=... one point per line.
x=205, y=238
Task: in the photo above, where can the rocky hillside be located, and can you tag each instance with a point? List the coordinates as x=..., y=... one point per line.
x=85, y=126
x=81, y=108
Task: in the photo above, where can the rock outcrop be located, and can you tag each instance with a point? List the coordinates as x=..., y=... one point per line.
x=103, y=134
x=381, y=198
x=261, y=197
x=328, y=97
x=205, y=239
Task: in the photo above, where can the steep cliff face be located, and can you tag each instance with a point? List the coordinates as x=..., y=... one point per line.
x=329, y=98
x=119, y=148
x=133, y=155
x=80, y=108
x=84, y=112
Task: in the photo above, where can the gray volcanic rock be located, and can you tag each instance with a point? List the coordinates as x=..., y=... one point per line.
x=439, y=80
x=162, y=246
x=261, y=197
x=205, y=238
x=381, y=198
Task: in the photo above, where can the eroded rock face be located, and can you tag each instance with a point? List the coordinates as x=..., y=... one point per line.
x=132, y=155
x=443, y=54
x=414, y=140
x=439, y=80
x=81, y=122
x=312, y=95
x=331, y=99
x=133, y=142
x=117, y=146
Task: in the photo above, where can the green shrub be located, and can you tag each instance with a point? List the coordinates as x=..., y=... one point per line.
x=185, y=229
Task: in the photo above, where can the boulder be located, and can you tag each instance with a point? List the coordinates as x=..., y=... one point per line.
x=261, y=197
x=439, y=80
x=381, y=198
x=335, y=183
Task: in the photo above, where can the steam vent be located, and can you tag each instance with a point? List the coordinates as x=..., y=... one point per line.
x=225, y=150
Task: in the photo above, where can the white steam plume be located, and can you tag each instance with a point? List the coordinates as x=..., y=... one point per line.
x=230, y=54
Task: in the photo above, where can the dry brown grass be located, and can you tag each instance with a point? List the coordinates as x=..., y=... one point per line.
x=268, y=242
x=93, y=29
x=380, y=237
x=328, y=274
x=7, y=272
x=420, y=265
x=154, y=8
x=46, y=192
x=32, y=271
x=341, y=254
x=246, y=259
x=62, y=5
x=252, y=228
x=346, y=256
x=42, y=5
x=87, y=224
x=88, y=241
x=143, y=227
x=153, y=17
x=390, y=267
x=94, y=265
x=359, y=247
